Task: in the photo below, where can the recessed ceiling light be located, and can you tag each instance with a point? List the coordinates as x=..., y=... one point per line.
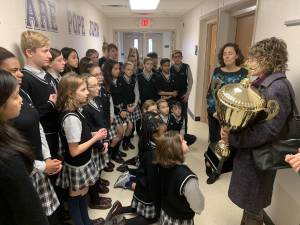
x=143, y=4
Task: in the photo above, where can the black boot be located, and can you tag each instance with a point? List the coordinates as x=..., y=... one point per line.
x=212, y=178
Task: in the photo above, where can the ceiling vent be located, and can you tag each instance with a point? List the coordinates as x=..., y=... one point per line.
x=115, y=6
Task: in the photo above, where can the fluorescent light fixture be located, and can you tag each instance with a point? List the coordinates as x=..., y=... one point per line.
x=143, y=4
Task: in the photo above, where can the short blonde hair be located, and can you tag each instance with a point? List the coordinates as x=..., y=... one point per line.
x=33, y=40
x=67, y=87
x=160, y=101
x=148, y=103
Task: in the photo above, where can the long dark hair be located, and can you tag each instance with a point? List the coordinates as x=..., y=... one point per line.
x=107, y=73
x=66, y=51
x=5, y=54
x=11, y=142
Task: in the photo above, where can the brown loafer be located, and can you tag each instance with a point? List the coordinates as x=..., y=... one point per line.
x=103, y=189
x=99, y=221
x=104, y=182
x=106, y=199
x=118, y=159
x=115, y=210
x=100, y=205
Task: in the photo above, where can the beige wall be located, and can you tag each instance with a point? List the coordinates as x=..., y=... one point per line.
x=271, y=17
x=12, y=24
x=132, y=24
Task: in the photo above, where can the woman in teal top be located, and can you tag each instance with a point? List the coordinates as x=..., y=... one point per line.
x=230, y=58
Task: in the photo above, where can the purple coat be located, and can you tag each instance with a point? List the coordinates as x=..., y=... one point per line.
x=251, y=189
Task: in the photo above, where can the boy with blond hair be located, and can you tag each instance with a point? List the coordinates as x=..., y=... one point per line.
x=35, y=47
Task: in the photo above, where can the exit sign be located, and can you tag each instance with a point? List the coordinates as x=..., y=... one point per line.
x=144, y=22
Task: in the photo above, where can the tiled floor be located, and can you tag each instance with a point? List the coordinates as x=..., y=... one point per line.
x=219, y=210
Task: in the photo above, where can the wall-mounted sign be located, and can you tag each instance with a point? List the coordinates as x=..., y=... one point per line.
x=145, y=22
x=44, y=20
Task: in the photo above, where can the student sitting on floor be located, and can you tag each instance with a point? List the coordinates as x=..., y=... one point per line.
x=180, y=195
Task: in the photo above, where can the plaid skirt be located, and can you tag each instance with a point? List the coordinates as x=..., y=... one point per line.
x=143, y=209
x=113, y=128
x=135, y=115
x=167, y=220
x=99, y=159
x=77, y=178
x=45, y=192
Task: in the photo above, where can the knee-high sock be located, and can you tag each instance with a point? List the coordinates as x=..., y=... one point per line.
x=84, y=210
x=74, y=210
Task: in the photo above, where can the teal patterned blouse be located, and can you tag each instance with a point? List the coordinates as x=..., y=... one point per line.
x=219, y=79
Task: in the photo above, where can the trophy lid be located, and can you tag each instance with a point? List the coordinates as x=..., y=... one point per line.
x=241, y=96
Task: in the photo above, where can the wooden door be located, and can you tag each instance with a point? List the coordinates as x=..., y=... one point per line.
x=244, y=32
x=211, y=58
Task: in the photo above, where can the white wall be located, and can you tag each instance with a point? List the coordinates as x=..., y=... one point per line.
x=132, y=24
x=271, y=16
x=167, y=42
x=12, y=24
x=192, y=36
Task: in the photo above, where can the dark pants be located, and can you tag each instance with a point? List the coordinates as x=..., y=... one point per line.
x=214, y=129
x=184, y=106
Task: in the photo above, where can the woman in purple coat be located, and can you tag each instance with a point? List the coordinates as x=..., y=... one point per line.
x=250, y=188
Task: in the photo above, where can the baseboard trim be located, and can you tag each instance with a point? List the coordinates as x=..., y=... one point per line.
x=195, y=118
x=267, y=219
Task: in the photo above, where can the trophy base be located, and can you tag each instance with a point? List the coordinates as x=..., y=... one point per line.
x=222, y=149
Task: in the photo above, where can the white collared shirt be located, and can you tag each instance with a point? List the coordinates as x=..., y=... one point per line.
x=39, y=73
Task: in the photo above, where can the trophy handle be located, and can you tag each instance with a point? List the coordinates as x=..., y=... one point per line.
x=272, y=109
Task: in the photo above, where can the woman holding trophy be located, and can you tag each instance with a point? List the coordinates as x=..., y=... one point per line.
x=250, y=188
x=230, y=59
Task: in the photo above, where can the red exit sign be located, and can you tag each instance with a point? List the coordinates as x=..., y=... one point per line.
x=144, y=22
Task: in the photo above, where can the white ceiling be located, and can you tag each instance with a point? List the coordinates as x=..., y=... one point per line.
x=166, y=8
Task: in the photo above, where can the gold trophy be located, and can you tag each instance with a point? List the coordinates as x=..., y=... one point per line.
x=237, y=105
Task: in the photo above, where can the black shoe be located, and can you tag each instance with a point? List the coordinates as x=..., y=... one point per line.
x=212, y=178
x=111, y=164
x=122, y=154
x=123, y=168
x=108, y=169
x=130, y=145
x=103, y=189
x=131, y=161
x=125, y=146
x=118, y=159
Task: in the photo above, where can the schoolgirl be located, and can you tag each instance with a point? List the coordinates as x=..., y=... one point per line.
x=71, y=59
x=28, y=124
x=180, y=195
x=131, y=100
x=19, y=202
x=112, y=82
x=79, y=171
x=93, y=55
x=106, y=102
x=95, y=117
x=145, y=202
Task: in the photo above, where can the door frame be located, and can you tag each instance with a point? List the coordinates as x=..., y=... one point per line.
x=173, y=31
